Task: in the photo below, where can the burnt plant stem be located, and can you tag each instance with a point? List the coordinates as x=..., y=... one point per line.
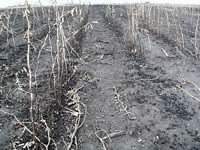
x=28, y=63
x=196, y=34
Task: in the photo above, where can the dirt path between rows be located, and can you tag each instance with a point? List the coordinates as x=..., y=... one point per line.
x=106, y=56
x=135, y=102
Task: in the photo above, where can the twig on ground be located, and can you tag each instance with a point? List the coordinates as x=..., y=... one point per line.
x=149, y=79
x=101, y=140
x=21, y=124
x=114, y=134
x=102, y=41
x=123, y=107
x=179, y=87
x=100, y=58
x=187, y=81
x=107, y=135
x=164, y=52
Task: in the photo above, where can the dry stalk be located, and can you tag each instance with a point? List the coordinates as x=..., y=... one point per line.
x=122, y=106
x=22, y=124
x=191, y=19
x=189, y=82
x=93, y=61
x=16, y=14
x=37, y=16
x=182, y=36
x=168, y=24
x=9, y=31
x=164, y=52
x=196, y=34
x=38, y=57
x=28, y=35
x=101, y=140
x=114, y=134
x=158, y=21
x=43, y=16
x=194, y=84
x=73, y=95
x=147, y=33
x=179, y=87
x=176, y=28
x=155, y=18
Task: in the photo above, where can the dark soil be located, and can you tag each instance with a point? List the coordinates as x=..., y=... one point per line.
x=161, y=116
x=132, y=98
x=50, y=102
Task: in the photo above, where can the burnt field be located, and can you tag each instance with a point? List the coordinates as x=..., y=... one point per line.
x=112, y=77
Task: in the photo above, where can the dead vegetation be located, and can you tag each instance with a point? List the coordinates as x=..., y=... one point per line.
x=50, y=41
x=42, y=50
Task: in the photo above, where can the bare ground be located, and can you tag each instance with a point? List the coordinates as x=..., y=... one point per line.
x=136, y=102
x=132, y=104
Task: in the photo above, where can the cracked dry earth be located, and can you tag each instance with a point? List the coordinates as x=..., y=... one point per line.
x=131, y=104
